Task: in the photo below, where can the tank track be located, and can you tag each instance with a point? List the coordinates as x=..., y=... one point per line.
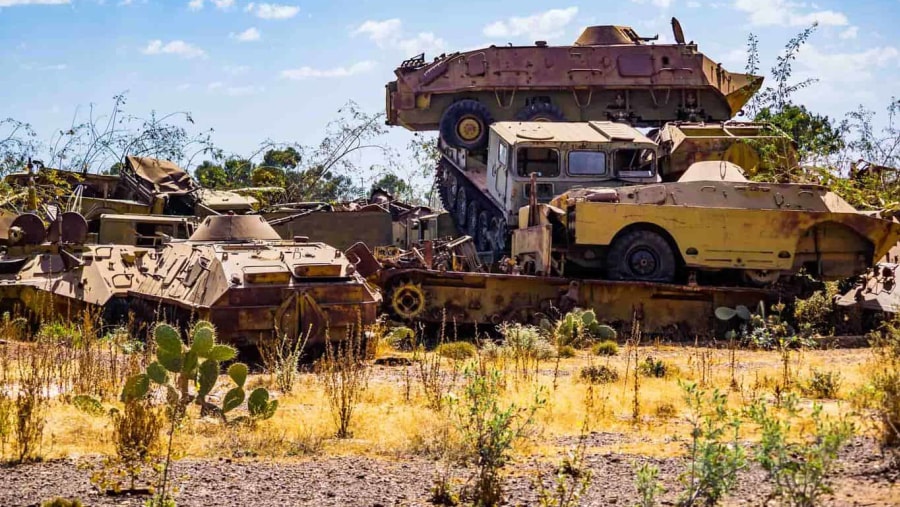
x=488, y=229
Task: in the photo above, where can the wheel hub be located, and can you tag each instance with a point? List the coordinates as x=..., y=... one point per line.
x=468, y=128
x=642, y=262
x=408, y=300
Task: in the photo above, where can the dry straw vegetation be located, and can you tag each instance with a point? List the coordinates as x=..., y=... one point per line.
x=128, y=408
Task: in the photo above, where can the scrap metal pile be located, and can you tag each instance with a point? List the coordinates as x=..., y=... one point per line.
x=554, y=200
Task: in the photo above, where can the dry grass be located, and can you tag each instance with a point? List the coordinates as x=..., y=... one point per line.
x=388, y=425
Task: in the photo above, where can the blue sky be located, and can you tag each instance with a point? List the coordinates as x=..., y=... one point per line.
x=281, y=69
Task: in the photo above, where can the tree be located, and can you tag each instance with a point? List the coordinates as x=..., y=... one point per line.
x=287, y=158
x=394, y=185
x=211, y=175
x=239, y=171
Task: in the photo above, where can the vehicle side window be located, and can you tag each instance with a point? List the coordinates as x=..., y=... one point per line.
x=635, y=163
x=502, y=161
x=503, y=154
x=587, y=163
x=543, y=161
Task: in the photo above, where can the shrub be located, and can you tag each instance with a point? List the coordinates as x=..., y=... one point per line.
x=527, y=347
x=814, y=314
x=457, y=351
x=567, y=351
x=886, y=382
x=598, y=374
x=714, y=452
x=136, y=437
x=646, y=480
x=606, y=348
x=651, y=367
x=799, y=469
x=822, y=384
x=62, y=502
x=345, y=375
x=489, y=429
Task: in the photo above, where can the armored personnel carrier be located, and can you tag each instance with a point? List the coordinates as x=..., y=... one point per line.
x=713, y=220
x=48, y=271
x=236, y=272
x=609, y=73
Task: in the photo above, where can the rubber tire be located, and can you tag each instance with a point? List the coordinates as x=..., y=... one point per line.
x=617, y=262
x=540, y=111
x=456, y=112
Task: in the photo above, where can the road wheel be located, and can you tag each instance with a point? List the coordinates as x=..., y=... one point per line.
x=641, y=255
x=498, y=234
x=462, y=202
x=452, y=187
x=472, y=221
x=465, y=125
x=483, y=240
x=540, y=111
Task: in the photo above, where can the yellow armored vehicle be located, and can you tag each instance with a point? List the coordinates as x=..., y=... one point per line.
x=711, y=220
x=236, y=272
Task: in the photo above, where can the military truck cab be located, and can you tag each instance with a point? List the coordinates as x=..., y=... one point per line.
x=484, y=193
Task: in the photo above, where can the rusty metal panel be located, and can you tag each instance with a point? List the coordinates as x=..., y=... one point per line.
x=339, y=229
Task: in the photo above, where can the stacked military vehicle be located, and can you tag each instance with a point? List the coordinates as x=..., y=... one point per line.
x=610, y=77
x=541, y=162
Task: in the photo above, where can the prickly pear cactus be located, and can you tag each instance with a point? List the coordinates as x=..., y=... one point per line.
x=579, y=327
x=177, y=367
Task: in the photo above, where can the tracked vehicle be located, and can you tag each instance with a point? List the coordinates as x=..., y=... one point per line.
x=236, y=272
x=609, y=73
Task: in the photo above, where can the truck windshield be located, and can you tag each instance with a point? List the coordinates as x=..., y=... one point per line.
x=542, y=161
x=635, y=163
x=587, y=163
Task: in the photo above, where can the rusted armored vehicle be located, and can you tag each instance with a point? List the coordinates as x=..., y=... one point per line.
x=609, y=73
x=49, y=271
x=236, y=272
x=751, y=146
x=144, y=186
x=711, y=221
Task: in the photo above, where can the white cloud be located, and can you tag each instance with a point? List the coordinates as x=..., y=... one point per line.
x=175, y=47
x=844, y=68
x=388, y=34
x=787, y=13
x=664, y=4
x=223, y=5
x=545, y=25
x=310, y=72
x=13, y=3
x=248, y=35
x=849, y=33
x=236, y=70
x=243, y=91
x=272, y=11
x=380, y=32
x=182, y=87
x=692, y=4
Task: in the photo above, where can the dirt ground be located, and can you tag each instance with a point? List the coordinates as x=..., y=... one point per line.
x=862, y=479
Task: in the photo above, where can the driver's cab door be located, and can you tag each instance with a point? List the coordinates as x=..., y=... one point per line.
x=498, y=171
